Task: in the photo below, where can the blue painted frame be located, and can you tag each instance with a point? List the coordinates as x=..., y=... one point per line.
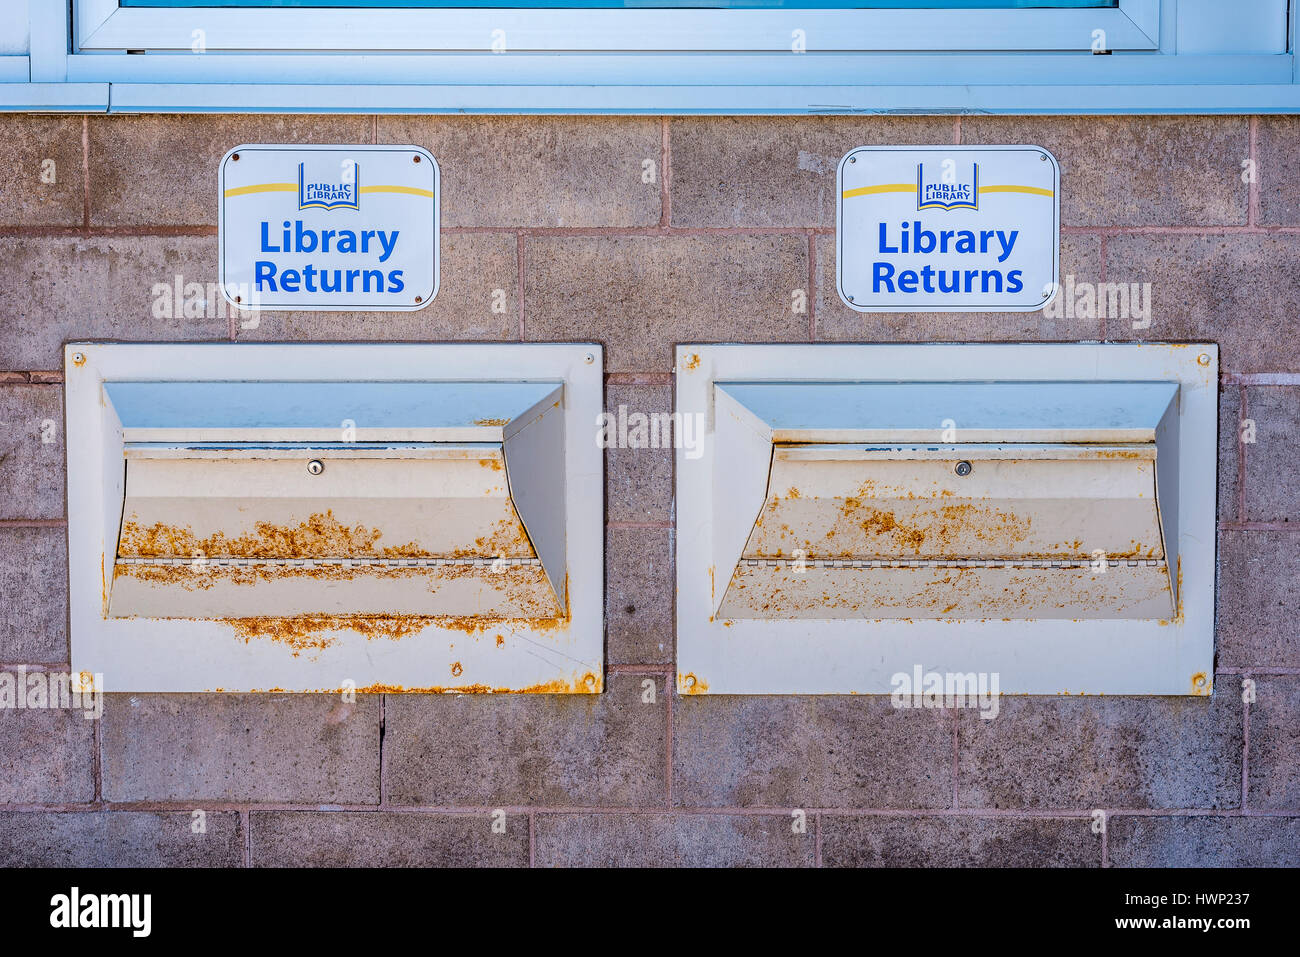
x=640, y=4
x=1005, y=61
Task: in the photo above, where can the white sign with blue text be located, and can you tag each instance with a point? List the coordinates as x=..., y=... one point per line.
x=326, y=228
x=947, y=228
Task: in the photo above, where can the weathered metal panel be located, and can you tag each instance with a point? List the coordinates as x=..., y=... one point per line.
x=352, y=591
x=456, y=505
x=534, y=456
x=1115, y=632
x=859, y=503
x=229, y=535
x=796, y=590
x=378, y=604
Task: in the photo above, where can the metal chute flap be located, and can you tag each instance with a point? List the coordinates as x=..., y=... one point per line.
x=534, y=454
x=321, y=411
x=436, y=501
x=1093, y=412
x=1032, y=502
x=281, y=531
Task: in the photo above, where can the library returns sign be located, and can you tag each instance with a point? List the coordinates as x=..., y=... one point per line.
x=325, y=228
x=947, y=228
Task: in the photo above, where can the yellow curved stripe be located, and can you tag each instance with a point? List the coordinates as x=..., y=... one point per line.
x=911, y=187
x=1031, y=190
x=883, y=188
x=410, y=190
x=293, y=188
x=263, y=188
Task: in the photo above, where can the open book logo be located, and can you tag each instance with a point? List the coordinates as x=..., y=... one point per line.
x=344, y=194
x=948, y=190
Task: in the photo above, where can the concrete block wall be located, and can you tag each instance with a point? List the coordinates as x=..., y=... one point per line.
x=642, y=233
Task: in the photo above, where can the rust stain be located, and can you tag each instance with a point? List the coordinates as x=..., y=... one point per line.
x=456, y=669
x=507, y=538
x=867, y=527
x=1201, y=684
x=946, y=531
x=79, y=359
x=879, y=523
x=491, y=421
x=202, y=576
x=395, y=627
x=525, y=588
x=321, y=535
x=311, y=632
x=476, y=626
x=691, y=362
x=491, y=463
x=772, y=593
x=690, y=684
x=589, y=683
x=1178, y=608
x=1120, y=454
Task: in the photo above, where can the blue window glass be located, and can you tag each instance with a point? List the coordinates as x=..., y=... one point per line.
x=646, y=4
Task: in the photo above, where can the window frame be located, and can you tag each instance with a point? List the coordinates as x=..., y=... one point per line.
x=105, y=27
x=723, y=62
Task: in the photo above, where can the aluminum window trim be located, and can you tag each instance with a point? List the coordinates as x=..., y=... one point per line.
x=105, y=27
x=1156, y=79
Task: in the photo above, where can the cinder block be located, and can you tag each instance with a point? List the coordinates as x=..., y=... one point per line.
x=818, y=751
x=1203, y=841
x=120, y=839
x=478, y=299
x=537, y=171
x=31, y=451
x=378, y=839
x=929, y=841
x=1080, y=258
x=34, y=577
x=1230, y=451
x=639, y=480
x=1259, y=599
x=1273, y=460
x=1273, y=775
x=673, y=840
x=1235, y=289
x=45, y=753
x=40, y=170
x=135, y=176
x=1136, y=170
x=526, y=749
x=1278, y=147
x=640, y=295
x=639, y=589
x=302, y=749
x=766, y=171
x=1103, y=752
x=115, y=288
